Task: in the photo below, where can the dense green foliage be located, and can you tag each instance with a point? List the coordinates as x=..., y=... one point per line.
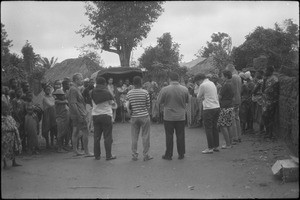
x=219, y=48
x=162, y=58
x=118, y=26
x=279, y=45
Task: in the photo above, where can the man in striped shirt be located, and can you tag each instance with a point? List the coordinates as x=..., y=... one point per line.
x=139, y=106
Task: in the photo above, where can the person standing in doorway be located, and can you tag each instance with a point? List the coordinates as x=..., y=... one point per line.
x=139, y=107
x=78, y=115
x=174, y=98
x=211, y=108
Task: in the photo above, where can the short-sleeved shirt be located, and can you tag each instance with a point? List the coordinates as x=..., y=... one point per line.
x=174, y=98
x=208, y=92
x=76, y=101
x=139, y=100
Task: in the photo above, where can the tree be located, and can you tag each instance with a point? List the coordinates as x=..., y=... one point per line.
x=219, y=48
x=48, y=63
x=279, y=45
x=118, y=27
x=162, y=58
x=90, y=51
x=5, y=45
x=29, y=57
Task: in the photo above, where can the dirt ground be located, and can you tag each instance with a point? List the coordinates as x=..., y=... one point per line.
x=241, y=172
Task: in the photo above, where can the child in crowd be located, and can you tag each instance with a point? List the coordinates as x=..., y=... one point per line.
x=62, y=118
x=31, y=129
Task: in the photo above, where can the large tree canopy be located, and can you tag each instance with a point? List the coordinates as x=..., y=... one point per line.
x=162, y=58
x=118, y=26
x=279, y=45
x=5, y=44
x=219, y=48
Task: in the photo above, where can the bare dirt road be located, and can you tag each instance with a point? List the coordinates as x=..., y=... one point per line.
x=241, y=172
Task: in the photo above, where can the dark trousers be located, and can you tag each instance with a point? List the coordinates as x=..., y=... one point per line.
x=102, y=124
x=210, y=119
x=269, y=118
x=178, y=126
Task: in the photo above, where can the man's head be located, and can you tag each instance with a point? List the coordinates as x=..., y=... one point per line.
x=100, y=80
x=259, y=74
x=173, y=76
x=25, y=86
x=91, y=83
x=19, y=92
x=137, y=81
x=269, y=71
x=227, y=74
x=110, y=80
x=231, y=68
x=215, y=78
x=86, y=82
x=57, y=84
x=66, y=84
x=12, y=94
x=77, y=79
x=28, y=96
x=47, y=89
x=199, y=78
x=13, y=83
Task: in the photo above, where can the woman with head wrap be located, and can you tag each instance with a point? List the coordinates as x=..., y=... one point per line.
x=10, y=138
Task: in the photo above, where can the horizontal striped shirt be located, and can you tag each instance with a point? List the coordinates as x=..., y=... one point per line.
x=139, y=102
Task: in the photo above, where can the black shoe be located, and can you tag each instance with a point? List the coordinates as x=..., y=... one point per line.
x=216, y=149
x=97, y=158
x=111, y=158
x=166, y=158
x=180, y=157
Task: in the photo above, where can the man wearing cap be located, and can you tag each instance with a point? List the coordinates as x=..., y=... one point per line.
x=78, y=115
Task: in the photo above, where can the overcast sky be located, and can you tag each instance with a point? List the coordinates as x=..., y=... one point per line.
x=50, y=26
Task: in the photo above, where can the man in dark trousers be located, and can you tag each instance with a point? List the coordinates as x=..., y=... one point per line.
x=174, y=98
x=102, y=101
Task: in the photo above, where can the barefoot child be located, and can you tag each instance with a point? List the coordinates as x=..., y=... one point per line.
x=62, y=118
x=31, y=129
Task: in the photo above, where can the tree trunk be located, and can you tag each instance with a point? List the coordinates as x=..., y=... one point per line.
x=125, y=57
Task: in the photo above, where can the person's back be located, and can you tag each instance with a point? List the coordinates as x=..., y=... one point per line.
x=140, y=102
x=237, y=88
x=174, y=97
x=210, y=95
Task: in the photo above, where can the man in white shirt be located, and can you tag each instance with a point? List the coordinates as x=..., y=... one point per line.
x=211, y=109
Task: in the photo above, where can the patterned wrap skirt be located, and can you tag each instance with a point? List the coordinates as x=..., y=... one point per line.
x=225, y=117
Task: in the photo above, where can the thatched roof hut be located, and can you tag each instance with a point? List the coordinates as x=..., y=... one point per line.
x=205, y=66
x=69, y=67
x=192, y=63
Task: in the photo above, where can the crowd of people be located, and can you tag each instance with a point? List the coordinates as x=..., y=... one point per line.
x=73, y=108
